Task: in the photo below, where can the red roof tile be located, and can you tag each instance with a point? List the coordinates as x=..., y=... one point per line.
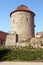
x=39, y=33
x=3, y=35
x=22, y=8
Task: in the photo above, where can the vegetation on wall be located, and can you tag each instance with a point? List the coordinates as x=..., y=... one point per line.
x=21, y=54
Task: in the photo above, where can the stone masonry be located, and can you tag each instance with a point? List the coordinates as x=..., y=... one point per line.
x=11, y=39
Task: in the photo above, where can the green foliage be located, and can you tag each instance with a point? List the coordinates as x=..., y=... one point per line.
x=23, y=54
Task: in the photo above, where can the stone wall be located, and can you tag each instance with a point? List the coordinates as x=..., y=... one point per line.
x=23, y=24
x=36, y=42
x=11, y=40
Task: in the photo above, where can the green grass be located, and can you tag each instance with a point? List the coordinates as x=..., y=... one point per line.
x=21, y=54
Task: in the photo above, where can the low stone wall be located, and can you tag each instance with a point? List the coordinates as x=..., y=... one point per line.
x=11, y=40
x=22, y=44
x=36, y=42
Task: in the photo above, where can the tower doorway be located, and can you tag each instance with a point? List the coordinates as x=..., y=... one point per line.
x=16, y=38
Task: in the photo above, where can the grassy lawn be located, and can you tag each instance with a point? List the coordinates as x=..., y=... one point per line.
x=21, y=54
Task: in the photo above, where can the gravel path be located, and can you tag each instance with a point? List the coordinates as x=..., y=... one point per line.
x=21, y=63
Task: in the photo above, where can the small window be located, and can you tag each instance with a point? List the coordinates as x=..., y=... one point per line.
x=27, y=19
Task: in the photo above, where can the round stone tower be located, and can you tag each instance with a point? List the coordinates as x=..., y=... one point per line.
x=22, y=22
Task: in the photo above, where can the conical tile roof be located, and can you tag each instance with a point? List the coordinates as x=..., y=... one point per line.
x=22, y=8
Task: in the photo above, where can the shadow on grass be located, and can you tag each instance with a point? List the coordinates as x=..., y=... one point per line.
x=3, y=53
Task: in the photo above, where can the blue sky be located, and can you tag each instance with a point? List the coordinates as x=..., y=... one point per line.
x=7, y=6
